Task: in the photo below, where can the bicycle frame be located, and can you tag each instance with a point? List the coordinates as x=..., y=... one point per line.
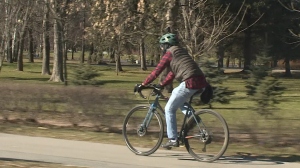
x=156, y=105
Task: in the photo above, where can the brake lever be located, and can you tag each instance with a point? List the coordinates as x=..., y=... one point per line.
x=142, y=95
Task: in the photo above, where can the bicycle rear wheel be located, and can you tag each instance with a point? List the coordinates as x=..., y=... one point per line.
x=139, y=139
x=210, y=144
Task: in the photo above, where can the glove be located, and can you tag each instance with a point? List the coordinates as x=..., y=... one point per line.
x=158, y=86
x=138, y=88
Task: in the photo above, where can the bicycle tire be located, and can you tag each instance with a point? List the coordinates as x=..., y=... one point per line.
x=125, y=131
x=226, y=136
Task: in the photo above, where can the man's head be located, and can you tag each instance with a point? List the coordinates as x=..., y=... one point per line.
x=168, y=40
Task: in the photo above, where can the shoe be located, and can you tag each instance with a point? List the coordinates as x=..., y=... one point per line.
x=192, y=124
x=170, y=143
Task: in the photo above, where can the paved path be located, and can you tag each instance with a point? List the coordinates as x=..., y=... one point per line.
x=98, y=155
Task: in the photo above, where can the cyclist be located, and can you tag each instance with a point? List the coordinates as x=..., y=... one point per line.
x=186, y=71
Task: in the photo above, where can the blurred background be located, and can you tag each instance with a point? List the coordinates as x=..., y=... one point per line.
x=68, y=67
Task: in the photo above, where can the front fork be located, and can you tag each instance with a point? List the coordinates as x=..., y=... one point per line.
x=147, y=119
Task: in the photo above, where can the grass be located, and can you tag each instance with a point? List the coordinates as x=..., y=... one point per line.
x=273, y=136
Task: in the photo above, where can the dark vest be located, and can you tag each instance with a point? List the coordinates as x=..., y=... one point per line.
x=182, y=65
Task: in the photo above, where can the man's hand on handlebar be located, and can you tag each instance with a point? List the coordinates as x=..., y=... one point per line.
x=159, y=86
x=138, y=88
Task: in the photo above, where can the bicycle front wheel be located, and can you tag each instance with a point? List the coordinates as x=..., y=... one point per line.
x=143, y=137
x=208, y=140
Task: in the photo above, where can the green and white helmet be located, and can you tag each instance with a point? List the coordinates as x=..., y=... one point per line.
x=169, y=38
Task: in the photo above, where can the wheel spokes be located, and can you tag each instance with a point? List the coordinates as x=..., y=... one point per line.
x=138, y=138
x=208, y=140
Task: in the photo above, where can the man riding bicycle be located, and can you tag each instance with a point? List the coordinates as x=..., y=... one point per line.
x=186, y=71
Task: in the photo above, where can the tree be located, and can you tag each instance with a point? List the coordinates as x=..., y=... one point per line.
x=11, y=10
x=251, y=22
x=15, y=41
x=31, y=47
x=83, y=25
x=26, y=16
x=291, y=42
x=206, y=23
x=110, y=20
x=58, y=9
x=8, y=45
x=171, y=16
x=46, y=41
x=3, y=40
x=263, y=88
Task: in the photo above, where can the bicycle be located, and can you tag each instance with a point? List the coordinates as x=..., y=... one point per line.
x=145, y=120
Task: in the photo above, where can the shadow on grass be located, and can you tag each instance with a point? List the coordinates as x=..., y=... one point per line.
x=35, y=72
x=239, y=158
x=118, y=81
x=230, y=108
x=33, y=79
x=22, y=160
x=274, y=158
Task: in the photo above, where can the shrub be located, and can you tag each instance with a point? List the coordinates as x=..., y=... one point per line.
x=263, y=88
x=84, y=75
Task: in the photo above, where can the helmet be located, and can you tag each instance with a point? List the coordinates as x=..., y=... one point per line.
x=169, y=38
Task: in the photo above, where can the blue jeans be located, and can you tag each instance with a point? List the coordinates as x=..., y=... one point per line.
x=179, y=96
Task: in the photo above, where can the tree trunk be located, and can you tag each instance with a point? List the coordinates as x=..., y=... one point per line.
x=14, y=45
x=248, y=41
x=91, y=53
x=118, y=63
x=46, y=43
x=112, y=55
x=142, y=22
x=65, y=55
x=83, y=40
x=143, y=54
x=9, y=50
x=220, y=55
x=2, y=51
x=73, y=50
x=227, y=61
x=57, y=73
x=118, y=56
x=31, y=52
x=20, y=53
x=22, y=36
x=287, y=67
x=7, y=16
x=4, y=36
x=40, y=47
x=83, y=51
x=16, y=50
x=172, y=11
x=15, y=42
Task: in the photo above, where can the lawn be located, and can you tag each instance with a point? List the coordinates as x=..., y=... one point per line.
x=250, y=132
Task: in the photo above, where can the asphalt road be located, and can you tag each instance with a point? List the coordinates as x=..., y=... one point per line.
x=86, y=154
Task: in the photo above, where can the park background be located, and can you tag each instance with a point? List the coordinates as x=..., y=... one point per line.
x=68, y=67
